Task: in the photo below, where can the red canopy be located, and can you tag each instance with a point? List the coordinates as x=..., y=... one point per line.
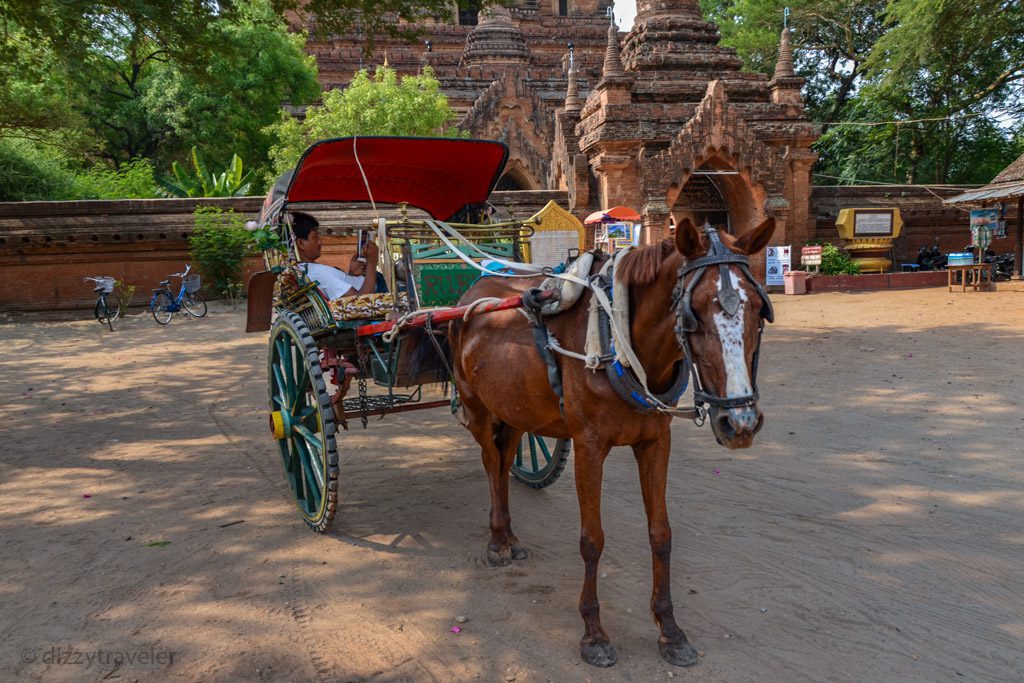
x=616, y=213
x=439, y=175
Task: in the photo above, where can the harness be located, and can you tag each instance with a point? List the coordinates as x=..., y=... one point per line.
x=624, y=379
x=729, y=299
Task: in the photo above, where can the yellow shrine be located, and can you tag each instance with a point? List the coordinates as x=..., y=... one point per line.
x=868, y=236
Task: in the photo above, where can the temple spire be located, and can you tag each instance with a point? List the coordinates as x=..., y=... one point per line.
x=572, y=95
x=784, y=67
x=612, y=59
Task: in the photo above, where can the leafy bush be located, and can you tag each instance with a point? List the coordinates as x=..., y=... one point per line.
x=835, y=262
x=31, y=172
x=133, y=180
x=219, y=244
x=199, y=181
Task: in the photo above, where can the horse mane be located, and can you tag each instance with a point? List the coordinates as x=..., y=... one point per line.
x=640, y=266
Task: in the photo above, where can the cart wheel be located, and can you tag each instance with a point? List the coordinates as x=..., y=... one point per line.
x=302, y=420
x=540, y=460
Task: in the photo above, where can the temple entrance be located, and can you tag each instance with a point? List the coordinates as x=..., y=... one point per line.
x=701, y=201
x=717, y=194
x=516, y=177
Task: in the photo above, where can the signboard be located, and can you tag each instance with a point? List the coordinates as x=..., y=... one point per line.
x=872, y=223
x=984, y=225
x=810, y=256
x=869, y=223
x=777, y=264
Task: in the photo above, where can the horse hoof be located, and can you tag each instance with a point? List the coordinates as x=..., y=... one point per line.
x=600, y=654
x=519, y=552
x=679, y=652
x=499, y=558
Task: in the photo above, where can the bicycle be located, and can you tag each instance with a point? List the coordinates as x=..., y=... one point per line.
x=108, y=305
x=163, y=305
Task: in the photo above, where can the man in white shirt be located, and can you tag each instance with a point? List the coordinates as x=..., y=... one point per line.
x=333, y=282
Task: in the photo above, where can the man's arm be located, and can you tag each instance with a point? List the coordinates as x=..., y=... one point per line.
x=370, y=274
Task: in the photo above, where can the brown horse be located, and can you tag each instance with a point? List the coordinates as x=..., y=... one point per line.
x=506, y=391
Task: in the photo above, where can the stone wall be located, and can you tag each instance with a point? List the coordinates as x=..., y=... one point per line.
x=925, y=217
x=46, y=248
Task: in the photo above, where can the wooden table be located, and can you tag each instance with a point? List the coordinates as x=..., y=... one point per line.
x=970, y=275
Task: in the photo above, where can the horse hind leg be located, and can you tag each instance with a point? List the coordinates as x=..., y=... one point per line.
x=652, y=462
x=497, y=449
x=504, y=547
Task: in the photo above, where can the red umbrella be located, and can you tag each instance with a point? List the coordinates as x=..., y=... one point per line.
x=616, y=213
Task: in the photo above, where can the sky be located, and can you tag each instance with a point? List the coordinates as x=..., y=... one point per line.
x=625, y=12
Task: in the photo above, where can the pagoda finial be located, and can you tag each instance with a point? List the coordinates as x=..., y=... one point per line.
x=784, y=67
x=386, y=65
x=572, y=95
x=612, y=58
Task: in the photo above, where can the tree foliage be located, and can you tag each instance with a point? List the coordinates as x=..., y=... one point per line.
x=382, y=104
x=940, y=81
x=199, y=181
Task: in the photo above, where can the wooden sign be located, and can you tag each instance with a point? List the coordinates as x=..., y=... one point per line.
x=810, y=256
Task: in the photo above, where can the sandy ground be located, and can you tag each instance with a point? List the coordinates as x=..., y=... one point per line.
x=875, y=532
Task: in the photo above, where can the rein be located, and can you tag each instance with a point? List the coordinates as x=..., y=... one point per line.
x=729, y=299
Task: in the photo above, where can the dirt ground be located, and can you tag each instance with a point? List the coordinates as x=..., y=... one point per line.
x=875, y=531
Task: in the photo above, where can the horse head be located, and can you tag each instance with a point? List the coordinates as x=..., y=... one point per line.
x=720, y=314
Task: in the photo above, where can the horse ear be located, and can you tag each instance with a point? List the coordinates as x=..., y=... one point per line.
x=687, y=238
x=757, y=239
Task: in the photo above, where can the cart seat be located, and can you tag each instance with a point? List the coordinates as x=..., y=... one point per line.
x=374, y=306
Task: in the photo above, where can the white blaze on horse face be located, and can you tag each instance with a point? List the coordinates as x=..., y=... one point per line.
x=730, y=332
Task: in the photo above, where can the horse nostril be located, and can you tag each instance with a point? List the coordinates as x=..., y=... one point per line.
x=745, y=420
x=725, y=424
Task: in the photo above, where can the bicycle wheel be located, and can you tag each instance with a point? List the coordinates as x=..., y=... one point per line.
x=160, y=307
x=194, y=305
x=114, y=306
x=103, y=313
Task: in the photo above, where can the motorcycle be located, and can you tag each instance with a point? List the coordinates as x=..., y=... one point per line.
x=1002, y=264
x=930, y=258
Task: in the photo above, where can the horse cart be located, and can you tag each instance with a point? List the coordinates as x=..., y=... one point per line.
x=433, y=238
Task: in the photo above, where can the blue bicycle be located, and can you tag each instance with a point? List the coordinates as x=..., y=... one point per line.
x=164, y=305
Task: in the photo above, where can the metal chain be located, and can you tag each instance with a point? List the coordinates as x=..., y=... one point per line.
x=364, y=356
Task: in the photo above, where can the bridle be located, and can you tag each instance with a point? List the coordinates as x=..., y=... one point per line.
x=729, y=299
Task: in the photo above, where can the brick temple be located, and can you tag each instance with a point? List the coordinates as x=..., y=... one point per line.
x=661, y=119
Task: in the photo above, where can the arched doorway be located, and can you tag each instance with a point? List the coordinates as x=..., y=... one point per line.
x=516, y=178
x=718, y=194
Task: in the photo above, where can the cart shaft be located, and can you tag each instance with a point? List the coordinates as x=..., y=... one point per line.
x=444, y=315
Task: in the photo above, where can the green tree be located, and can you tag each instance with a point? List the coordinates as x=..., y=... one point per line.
x=382, y=104
x=956, y=61
x=143, y=103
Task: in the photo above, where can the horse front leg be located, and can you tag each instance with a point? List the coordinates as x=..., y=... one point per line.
x=595, y=646
x=652, y=462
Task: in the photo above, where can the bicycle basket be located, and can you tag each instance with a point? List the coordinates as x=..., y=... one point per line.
x=106, y=284
x=192, y=284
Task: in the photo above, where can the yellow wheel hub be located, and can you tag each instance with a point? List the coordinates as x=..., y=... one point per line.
x=277, y=425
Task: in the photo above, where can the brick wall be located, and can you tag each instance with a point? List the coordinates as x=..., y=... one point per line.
x=46, y=248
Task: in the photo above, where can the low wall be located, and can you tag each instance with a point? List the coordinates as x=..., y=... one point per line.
x=876, y=281
x=925, y=217
x=46, y=248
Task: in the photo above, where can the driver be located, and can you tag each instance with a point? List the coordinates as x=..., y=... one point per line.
x=333, y=282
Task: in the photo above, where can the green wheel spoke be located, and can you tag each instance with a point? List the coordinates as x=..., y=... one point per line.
x=544, y=448
x=282, y=389
x=533, y=452
x=310, y=437
x=312, y=462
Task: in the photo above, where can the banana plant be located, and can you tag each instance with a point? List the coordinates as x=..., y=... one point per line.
x=200, y=182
